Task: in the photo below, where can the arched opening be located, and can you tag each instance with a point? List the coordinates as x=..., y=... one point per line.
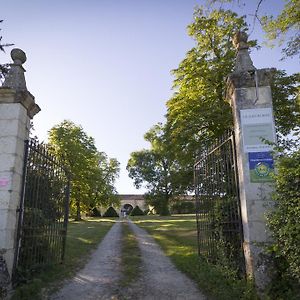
x=127, y=208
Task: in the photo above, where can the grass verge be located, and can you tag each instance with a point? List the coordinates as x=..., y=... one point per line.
x=82, y=238
x=131, y=257
x=177, y=236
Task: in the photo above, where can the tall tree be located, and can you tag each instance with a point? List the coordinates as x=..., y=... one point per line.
x=197, y=111
x=87, y=166
x=286, y=103
x=102, y=191
x=158, y=170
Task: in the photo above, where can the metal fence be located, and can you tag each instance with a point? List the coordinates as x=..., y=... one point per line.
x=43, y=213
x=219, y=227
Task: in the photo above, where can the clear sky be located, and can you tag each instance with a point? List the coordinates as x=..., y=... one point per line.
x=105, y=64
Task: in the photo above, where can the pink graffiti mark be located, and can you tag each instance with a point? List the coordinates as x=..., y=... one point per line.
x=3, y=182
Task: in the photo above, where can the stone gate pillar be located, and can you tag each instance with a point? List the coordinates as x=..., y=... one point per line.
x=250, y=96
x=17, y=107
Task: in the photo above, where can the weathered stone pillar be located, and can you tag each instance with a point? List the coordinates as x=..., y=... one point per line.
x=250, y=96
x=17, y=107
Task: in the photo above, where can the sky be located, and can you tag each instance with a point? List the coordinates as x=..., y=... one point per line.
x=105, y=65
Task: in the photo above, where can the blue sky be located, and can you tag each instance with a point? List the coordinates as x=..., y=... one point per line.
x=106, y=64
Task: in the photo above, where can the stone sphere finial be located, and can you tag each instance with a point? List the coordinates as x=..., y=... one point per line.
x=240, y=40
x=18, y=56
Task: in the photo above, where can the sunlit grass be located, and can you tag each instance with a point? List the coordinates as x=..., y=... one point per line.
x=130, y=258
x=82, y=238
x=177, y=235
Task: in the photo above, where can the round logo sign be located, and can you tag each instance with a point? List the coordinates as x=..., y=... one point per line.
x=262, y=169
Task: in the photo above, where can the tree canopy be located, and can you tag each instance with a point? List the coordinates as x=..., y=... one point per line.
x=93, y=173
x=283, y=29
x=197, y=112
x=158, y=170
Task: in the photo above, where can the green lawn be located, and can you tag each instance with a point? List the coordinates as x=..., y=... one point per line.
x=131, y=257
x=82, y=238
x=177, y=235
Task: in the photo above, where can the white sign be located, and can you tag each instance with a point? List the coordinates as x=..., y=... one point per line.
x=257, y=128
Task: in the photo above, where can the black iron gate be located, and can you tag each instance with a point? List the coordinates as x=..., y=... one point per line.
x=219, y=227
x=43, y=212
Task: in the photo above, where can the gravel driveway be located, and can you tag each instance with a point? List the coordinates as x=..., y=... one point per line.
x=160, y=280
x=99, y=278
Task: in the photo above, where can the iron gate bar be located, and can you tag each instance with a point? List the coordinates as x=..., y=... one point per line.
x=219, y=226
x=43, y=212
x=20, y=212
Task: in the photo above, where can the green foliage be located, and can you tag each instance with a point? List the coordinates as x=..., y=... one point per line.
x=95, y=213
x=284, y=223
x=286, y=103
x=110, y=213
x=183, y=207
x=93, y=174
x=27, y=291
x=197, y=111
x=131, y=257
x=285, y=27
x=158, y=170
x=177, y=236
x=137, y=212
x=82, y=238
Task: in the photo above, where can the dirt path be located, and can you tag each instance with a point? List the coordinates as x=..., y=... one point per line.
x=160, y=279
x=99, y=278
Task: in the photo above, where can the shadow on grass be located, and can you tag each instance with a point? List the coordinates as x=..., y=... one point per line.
x=82, y=238
x=177, y=235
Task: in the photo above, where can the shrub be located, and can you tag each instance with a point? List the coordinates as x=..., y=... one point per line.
x=95, y=212
x=284, y=224
x=110, y=213
x=137, y=212
x=183, y=207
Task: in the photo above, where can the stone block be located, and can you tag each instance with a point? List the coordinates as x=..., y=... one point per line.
x=264, y=96
x=7, y=162
x=16, y=182
x=7, y=238
x=9, y=259
x=13, y=128
x=11, y=145
x=13, y=111
x=8, y=219
x=3, y=218
x=258, y=209
x=8, y=144
x=15, y=198
x=4, y=199
x=9, y=127
x=11, y=163
x=258, y=232
x=7, y=95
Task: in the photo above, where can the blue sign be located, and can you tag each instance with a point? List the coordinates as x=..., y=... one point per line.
x=261, y=166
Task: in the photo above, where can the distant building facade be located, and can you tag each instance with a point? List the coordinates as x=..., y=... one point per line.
x=129, y=201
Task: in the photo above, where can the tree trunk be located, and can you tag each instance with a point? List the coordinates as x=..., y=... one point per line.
x=78, y=213
x=164, y=206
